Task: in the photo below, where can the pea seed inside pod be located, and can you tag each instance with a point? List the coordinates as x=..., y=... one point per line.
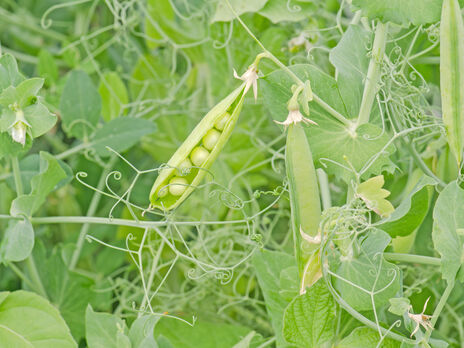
x=177, y=186
x=199, y=155
x=162, y=192
x=222, y=121
x=184, y=167
x=211, y=138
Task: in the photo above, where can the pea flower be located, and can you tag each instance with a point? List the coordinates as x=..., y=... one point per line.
x=295, y=116
x=19, y=128
x=251, y=79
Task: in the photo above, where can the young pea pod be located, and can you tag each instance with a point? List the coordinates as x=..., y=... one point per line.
x=304, y=203
x=189, y=164
x=452, y=75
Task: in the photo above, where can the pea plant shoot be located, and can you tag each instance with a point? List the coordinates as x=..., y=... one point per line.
x=231, y=173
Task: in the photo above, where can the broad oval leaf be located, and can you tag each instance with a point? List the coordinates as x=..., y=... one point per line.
x=404, y=12
x=18, y=241
x=367, y=338
x=283, y=11
x=448, y=218
x=120, y=134
x=29, y=321
x=372, y=275
x=309, y=319
x=80, y=105
x=105, y=330
x=270, y=267
x=224, y=14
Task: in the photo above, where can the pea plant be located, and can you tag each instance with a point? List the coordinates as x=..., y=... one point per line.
x=230, y=173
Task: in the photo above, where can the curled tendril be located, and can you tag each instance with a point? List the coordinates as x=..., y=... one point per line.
x=228, y=198
x=46, y=23
x=293, y=8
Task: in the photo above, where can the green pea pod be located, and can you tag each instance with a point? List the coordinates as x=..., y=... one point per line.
x=304, y=194
x=189, y=164
x=452, y=75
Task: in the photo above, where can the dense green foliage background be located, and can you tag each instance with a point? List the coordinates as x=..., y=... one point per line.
x=110, y=89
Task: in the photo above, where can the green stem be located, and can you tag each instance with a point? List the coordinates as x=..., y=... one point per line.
x=17, y=175
x=73, y=150
x=425, y=260
x=439, y=308
x=373, y=73
x=324, y=188
x=117, y=222
x=34, y=274
x=90, y=212
x=30, y=264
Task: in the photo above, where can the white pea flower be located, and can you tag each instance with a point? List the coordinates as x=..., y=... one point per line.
x=19, y=128
x=295, y=116
x=251, y=79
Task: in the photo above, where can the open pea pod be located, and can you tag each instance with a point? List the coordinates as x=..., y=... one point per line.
x=189, y=164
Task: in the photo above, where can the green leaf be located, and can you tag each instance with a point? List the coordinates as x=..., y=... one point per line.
x=30, y=166
x=411, y=212
x=416, y=12
x=114, y=95
x=40, y=119
x=47, y=68
x=269, y=266
x=42, y=184
x=372, y=193
x=452, y=75
x=202, y=334
x=120, y=134
x=68, y=291
x=447, y=220
x=369, y=271
x=224, y=14
x=350, y=58
x=141, y=332
x=279, y=11
x=399, y=305
x=367, y=338
x=80, y=105
x=105, y=330
x=309, y=319
x=9, y=74
x=29, y=321
x=9, y=147
x=18, y=241
x=334, y=146
x=23, y=94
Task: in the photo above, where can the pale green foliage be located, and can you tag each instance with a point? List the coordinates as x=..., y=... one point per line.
x=309, y=318
x=31, y=321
